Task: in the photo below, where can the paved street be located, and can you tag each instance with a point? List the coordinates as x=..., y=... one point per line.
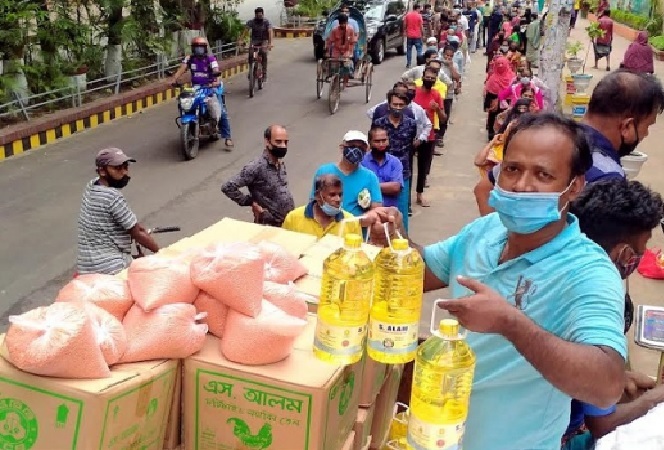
x=39, y=209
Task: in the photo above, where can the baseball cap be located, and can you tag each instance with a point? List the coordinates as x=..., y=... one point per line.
x=112, y=157
x=355, y=135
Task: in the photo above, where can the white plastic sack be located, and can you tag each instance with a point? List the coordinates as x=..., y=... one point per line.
x=645, y=433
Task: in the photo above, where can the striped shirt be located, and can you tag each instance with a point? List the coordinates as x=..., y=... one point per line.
x=104, y=244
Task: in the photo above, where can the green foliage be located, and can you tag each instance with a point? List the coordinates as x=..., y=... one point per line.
x=654, y=26
x=573, y=48
x=635, y=21
x=313, y=8
x=657, y=42
x=225, y=26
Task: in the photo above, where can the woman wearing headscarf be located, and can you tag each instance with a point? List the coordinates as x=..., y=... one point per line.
x=498, y=80
x=639, y=56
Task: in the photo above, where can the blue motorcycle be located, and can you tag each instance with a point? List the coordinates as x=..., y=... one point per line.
x=195, y=121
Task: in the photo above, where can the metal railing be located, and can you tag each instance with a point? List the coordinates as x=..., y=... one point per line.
x=74, y=97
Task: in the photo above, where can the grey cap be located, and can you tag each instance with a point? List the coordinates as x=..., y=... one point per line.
x=112, y=157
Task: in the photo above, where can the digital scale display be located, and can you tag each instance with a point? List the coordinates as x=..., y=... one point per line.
x=650, y=327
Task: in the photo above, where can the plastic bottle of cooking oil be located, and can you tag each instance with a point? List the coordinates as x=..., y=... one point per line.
x=399, y=424
x=345, y=299
x=397, y=302
x=442, y=381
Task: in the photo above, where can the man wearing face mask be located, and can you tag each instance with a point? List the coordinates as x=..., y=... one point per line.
x=619, y=216
x=361, y=186
x=323, y=214
x=403, y=140
x=387, y=167
x=266, y=180
x=622, y=108
x=543, y=332
x=260, y=36
x=106, y=224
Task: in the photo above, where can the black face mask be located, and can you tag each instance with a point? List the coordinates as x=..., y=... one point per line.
x=378, y=154
x=258, y=19
x=278, y=152
x=427, y=84
x=625, y=148
x=118, y=184
x=396, y=113
x=411, y=95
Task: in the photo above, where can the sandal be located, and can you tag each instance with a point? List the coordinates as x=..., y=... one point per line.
x=228, y=143
x=423, y=203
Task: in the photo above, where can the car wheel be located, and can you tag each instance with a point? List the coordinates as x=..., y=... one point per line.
x=378, y=52
x=401, y=50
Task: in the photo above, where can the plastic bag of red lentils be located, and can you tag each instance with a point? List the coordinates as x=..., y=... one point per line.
x=232, y=274
x=156, y=281
x=215, y=310
x=58, y=340
x=109, y=332
x=106, y=291
x=281, y=266
x=287, y=298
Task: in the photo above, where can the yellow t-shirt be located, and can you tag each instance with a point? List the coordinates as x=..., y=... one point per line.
x=577, y=4
x=442, y=90
x=301, y=220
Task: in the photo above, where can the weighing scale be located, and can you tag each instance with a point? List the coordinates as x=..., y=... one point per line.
x=649, y=333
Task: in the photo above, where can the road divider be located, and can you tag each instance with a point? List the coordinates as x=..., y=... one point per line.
x=22, y=137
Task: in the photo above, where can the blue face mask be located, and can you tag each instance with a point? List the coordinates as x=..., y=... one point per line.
x=353, y=155
x=328, y=209
x=526, y=212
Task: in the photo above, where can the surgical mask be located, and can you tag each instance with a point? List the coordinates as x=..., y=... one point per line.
x=453, y=27
x=199, y=51
x=396, y=112
x=526, y=212
x=525, y=80
x=625, y=148
x=328, y=209
x=504, y=48
x=627, y=268
x=353, y=155
x=118, y=184
x=427, y=84
x=278, y=152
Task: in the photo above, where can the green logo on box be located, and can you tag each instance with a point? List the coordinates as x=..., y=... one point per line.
x=18, y=425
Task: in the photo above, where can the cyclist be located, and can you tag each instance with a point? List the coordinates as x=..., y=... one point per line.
x=106, y=224
x=204, y=72
x=261, y=34
x=341, y=43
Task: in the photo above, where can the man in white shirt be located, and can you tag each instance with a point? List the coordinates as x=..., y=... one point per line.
x=417, y=72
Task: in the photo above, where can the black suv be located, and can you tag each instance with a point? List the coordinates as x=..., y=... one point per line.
x=384, y=22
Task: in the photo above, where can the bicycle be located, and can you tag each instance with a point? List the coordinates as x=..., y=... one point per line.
x=256, y=68
x=139, y=250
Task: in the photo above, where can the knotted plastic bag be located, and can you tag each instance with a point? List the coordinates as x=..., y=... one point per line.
x=109, y=292
x=233, y=274
x=216, y=313
x=281, y=266
x=287, y=298
x=169, y=331
x=57, y=341
x=109, y=332
x=264, y=339
x=155, y=281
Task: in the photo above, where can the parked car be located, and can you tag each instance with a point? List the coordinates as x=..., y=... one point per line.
x=384, y=21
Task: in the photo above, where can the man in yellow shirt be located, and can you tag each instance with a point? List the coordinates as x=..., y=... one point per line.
x=575, y=13
x=323, y=215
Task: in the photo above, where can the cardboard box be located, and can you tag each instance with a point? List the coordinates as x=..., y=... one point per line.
x=128, y=410
x=384, y=407
x=300, y=403
x=348, y=445
x=362, y=428
x=372, y=381
x=173, y=437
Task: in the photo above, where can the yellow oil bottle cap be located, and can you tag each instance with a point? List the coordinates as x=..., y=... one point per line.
x=400, y=244
x=449, y=327
x=352, y=240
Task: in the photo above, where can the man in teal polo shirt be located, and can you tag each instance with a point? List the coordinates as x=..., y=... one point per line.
x=543, y=304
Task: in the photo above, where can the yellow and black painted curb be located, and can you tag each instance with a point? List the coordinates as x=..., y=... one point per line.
x=293, y=32
x=50, y=135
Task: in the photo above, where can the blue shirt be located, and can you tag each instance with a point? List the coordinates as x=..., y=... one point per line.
x=401, y=140
x=390, y=169
x=360, y=183
x=512, y=406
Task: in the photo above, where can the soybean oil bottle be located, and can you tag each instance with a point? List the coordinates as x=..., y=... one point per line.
x=345, y=299
x=396, y=306
x=442, y=381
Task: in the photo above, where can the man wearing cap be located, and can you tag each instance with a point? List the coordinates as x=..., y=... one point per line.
x=106, y=224
x=361, y=191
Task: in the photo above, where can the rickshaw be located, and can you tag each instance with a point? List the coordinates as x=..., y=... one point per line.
x=329, y=70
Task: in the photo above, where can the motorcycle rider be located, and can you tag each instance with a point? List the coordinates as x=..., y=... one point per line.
x=261, y=33
x=106, y=224
x=204, y=72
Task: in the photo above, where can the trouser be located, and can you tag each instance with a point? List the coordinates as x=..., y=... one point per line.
x=224, y=123
x=410, y=42
x=447, y=103
x=424, y=155
x=491, y=121
x=473, y=40
x=485, y=31
x=263, y=54
x=403, y=202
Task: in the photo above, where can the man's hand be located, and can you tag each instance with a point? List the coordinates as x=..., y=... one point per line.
x=434, y=105
x=257, y=210
x=385, y=215
x=485, y=311
x=416, y=142
x=636, y=383
x=270, y=46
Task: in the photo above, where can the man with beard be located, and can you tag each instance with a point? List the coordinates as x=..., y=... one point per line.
x=106, y=224
x=622, y=108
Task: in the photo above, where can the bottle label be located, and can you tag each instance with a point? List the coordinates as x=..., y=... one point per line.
x=339, y=340
x=391, y=338
x=428, y=436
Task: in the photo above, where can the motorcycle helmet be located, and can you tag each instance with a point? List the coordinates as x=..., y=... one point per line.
x=199, y=46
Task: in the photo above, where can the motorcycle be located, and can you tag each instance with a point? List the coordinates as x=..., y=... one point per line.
x=194, y=120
